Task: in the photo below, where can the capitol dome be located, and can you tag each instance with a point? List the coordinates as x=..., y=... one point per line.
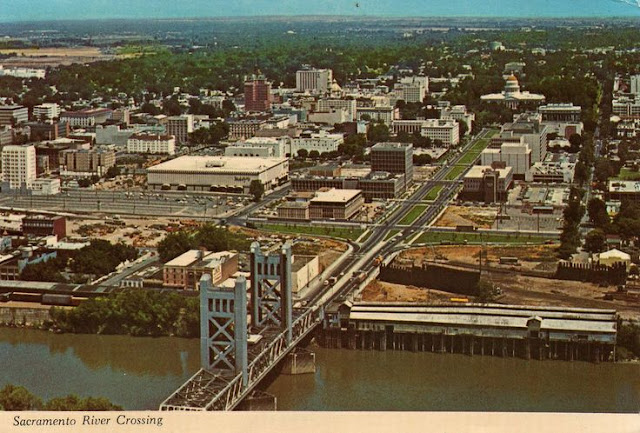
x=512, y=85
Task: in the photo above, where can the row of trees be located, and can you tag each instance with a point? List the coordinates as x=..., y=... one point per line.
x=208, y=236
x=99, y=258
x=132, y=312
x=625, y=224
x=18, y=398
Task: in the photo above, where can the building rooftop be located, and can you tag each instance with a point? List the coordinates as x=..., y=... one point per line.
x=490, y=315
x=478, y=171
x=631, y=186
x=200, y=258
x=217, y=164
x=336, y=196
x=391, y=146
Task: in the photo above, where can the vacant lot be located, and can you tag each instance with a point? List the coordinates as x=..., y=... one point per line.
x=482, y=217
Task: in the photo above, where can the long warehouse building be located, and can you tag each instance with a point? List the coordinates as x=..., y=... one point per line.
x=217, y=173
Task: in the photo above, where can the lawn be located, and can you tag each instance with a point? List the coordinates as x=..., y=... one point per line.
x=391, y=234
x=336, y=232
x=455, y=171
x=433, y=193
x=627, y=174
x=458, y=237
x=413, y=214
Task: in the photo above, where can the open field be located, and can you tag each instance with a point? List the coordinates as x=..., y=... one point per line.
x=54, y=52
x=338, y=232
x=475, y=237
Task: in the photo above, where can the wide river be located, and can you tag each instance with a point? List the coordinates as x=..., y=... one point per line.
x=138, y=373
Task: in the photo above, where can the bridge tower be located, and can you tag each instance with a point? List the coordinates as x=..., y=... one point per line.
x=223, y=327
x=271, y=296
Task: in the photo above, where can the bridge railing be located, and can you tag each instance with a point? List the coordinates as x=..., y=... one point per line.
x=234, y=391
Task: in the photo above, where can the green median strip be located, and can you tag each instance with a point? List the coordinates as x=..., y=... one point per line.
x=433, y=193
x=413, y=214
x=336, y=232
x=391, y=234
x=455, y=172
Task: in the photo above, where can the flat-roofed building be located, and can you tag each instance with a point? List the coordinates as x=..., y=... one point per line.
x=339, y=204
x=394, y=158
x=152, y=143
x=13, y=115
x=484, y=183
x=44, y=225
x=180, y=127
x=314, y=80
x=87, y=117
x=408, y=126
x=384, y=114
x=514, y=155
x=447, y=131
x=294, y=210
x=46, y=111
x=623, y=190
x=245, y=128
x=86, y=162
x=326, y=105
x=18, y=166
x=458, y=113
x=551, y=172
x=217, y=173
x=184, y=272
x=562, y=112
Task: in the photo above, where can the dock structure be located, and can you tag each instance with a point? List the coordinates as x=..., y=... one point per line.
x=474, y=329
x=240, y=341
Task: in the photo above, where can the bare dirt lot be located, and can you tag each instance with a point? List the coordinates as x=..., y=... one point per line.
x=482, y=217
x=516, y=289
x=533, y=257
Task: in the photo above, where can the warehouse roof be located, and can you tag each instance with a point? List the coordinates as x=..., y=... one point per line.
x=217, y=164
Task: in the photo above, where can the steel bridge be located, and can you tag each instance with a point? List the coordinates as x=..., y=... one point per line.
x=230, y=366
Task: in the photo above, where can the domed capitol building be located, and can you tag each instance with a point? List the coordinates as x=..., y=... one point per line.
x=512, y=97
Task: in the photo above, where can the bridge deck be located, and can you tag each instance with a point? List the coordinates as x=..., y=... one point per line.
x=224, y=390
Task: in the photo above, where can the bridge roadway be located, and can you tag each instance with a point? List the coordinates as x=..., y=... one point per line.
x=220, y=390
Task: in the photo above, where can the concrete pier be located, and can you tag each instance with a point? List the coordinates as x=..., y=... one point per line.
x=299, y=361
x=259, y=400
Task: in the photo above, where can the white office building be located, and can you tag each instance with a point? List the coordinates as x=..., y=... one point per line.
x=314, y=80
x=152, y=143
x=326, y=105
x=515, y=155
x=446, y=131
x=46, y=111
x=18, y=166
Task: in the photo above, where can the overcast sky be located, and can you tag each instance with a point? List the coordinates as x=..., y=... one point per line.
x=21, y=10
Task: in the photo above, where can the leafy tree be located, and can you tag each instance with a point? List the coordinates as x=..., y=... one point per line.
x=603, y=169
x=598, y=215
x=48, y=270
x=74, y=403
x=303, y=153
x=100, y=257
x=423, y=159
x=378, y=133
x=174, y=244
x=113, y=172
x=256, y=188
x=595, y=241
x=403, y=137
x=581, y=173
x=150, y=108
x=576, y=141
x=353, y=146
x=171, y=107
x=314, y=154
x=18, y=398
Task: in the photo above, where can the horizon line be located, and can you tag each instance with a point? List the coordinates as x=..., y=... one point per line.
x=342, y=16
